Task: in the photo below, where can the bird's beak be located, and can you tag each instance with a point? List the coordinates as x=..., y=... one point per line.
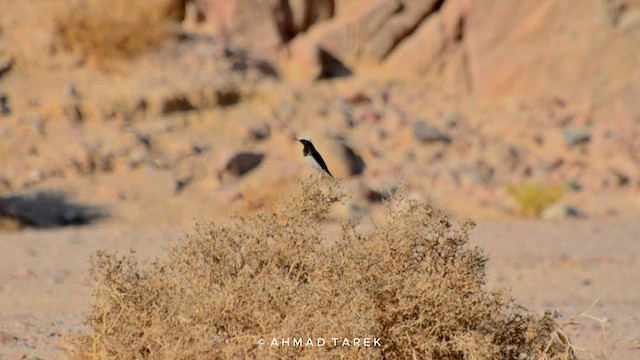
x=296, y=139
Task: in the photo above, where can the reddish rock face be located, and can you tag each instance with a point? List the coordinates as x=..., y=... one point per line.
x=561, y=48
x=582, y=51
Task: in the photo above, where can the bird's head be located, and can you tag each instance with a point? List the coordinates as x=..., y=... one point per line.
x=303, y=139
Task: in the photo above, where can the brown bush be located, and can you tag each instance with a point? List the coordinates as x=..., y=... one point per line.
x=105, y=30
x=411, y=281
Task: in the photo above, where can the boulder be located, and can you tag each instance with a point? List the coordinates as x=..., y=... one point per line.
x=241, y=163
x=263, y=24
x=403, y=23
x=572, y=49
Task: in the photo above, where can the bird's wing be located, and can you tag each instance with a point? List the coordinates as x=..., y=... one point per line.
x=316, y=155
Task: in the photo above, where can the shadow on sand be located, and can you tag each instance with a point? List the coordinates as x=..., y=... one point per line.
x=47, y=210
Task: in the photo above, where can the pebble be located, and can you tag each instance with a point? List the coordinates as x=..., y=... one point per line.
x=428, y=134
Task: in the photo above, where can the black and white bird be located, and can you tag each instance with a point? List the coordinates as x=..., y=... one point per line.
x=312, y=156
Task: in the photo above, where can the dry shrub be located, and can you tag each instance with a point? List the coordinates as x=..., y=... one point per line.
x=533, y=198
x=411, y=281
x=105, y=30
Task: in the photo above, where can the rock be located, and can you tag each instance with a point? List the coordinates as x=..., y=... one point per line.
x=6, y=62
x=300, y=62
x=265, y=24
x=72, y=91
x=621, y=179
x=552, y=41
x=5, y=108
x=394, y=31
x=175, y=10
x=259, y=131
x=346, y=112
x=625, y=170
x=453, y=15
x=332, y=67
x=176, y=103
x=420, y=50
x=573, y=185
x=506, y=155
x=561, y=211
x=73, y=112
x=128, y=109
x=243, y=162
x=574, y=137
x=245, y=22
x=380, y=193
x=228, y=96
x=345, y=36
x=182, y=183
x=428, y=134
x=304, y=13
x=355, y=162
x=7, y=338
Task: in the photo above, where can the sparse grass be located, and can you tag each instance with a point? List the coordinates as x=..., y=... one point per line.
x=533, y=198
x=412, y=281
x=105, y=30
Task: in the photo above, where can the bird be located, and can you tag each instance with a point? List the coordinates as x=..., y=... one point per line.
x=312, y=156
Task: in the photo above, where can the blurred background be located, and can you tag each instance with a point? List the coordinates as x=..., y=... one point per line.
x=162, y=112
x=139, y=117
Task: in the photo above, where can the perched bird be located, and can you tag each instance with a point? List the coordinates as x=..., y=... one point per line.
x=312, y=156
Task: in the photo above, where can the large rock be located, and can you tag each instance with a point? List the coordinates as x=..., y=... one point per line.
x=244, y=22
x=242, y=162
x=393, y=31
x=421, y=50
x=263, y=24
x=583, y=51
x=573, y=49
x=369, y=31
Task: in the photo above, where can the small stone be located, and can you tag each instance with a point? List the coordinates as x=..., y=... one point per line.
x=573, y=185
x=72, y=91
x=227, y=97
x=428, y=134
x=621, y=178
x=5, y=108
x=574, y=137
x=73, y=112
x=380, y=193
x=259, y=131
x=176, y=103
x=55, y=279
x=562, y=211
x=243, y=162
x=346, y=111
x=181, y=184
x=6, y=63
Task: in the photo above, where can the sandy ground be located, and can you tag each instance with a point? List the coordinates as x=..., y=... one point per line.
x=567, y=266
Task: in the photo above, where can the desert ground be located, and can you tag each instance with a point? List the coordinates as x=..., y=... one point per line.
x=587, y=270
x=123, y=124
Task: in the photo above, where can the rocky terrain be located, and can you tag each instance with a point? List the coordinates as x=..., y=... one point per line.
x=119, y=115
x=208, y=116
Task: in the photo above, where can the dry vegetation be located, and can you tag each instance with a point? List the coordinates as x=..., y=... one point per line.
x=104, y=30
x=411, y=281
x=534, y=198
